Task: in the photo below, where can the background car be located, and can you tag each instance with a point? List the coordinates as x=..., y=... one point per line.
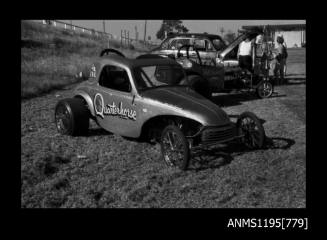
x=208, y=45
x=219, y=68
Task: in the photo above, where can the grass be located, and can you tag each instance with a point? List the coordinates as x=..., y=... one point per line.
x=296, y=63
x=52, y=58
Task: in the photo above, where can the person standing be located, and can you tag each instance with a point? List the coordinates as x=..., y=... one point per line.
x=281, y=57
x=285, y=55
x=244, y=54
x=278, y=63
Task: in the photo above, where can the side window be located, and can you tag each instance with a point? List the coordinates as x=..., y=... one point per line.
x=115, y=78
x=177, y=43
x=200, y=44
x=209, y=46
x=173, y=44
x=165, y=44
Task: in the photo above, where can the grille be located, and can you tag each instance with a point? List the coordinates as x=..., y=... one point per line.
x=218, y=134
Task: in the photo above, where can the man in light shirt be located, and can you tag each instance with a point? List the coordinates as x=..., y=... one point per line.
x=244, y=54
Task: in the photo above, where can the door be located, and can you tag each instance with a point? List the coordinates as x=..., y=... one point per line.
x=178, y=43
x=206, y=51
x=114, y=102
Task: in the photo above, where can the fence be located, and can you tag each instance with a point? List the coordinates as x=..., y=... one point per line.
x=124, y=38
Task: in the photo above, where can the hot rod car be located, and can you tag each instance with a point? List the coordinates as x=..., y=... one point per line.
x=150, y=99
x=217, y=65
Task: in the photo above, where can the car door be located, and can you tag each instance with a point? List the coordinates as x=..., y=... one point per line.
x=206, y=51
x=114, y=101
x=178, y=43
x=170, y=47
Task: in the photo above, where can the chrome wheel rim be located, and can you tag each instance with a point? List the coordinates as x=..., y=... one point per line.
x=173, y=152
x=265, y=89
x=62, y=119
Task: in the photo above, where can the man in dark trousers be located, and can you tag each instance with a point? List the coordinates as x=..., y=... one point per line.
x=244, y=54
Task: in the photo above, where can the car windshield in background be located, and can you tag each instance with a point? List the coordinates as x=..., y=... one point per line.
x=148, y=77
x=218, y=44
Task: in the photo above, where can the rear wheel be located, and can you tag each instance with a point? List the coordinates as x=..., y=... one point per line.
x=72, y=117
x=174, y=147
x=251, y=130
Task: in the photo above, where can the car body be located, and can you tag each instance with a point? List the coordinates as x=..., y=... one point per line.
x=208, y=45
x=219, y=66
x=145, y=98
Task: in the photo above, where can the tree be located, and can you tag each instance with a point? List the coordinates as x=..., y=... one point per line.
x=229, y=37
x=171, y=26
x=222, y=30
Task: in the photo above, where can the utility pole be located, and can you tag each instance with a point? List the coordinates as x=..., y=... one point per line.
x=104, y=26
x=144, y=30
x=71, y=24
x=136, y=34
x=222, y=30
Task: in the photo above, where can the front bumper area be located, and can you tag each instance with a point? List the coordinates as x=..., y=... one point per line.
x=209, y=135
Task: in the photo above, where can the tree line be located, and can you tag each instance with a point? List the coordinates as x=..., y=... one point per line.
x=177, y=26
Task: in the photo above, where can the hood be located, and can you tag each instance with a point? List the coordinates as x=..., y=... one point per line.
x=189, y=104
x=236, y=42
x=154, y=49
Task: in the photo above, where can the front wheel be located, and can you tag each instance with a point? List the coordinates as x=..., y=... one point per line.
x=174, y=147
x=264, y=89
x=251, y=130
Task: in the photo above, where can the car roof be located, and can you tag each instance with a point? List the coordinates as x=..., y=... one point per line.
x=171, y=35
x=132, y=63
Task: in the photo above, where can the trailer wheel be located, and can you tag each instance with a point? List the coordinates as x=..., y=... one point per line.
x=264, y=89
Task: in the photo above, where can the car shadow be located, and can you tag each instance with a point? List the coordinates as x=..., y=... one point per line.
x=295, y=81
x=98, y=132
x=217, y=157
x=235, y=99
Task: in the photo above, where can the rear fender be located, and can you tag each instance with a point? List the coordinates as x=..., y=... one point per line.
x=88, y=100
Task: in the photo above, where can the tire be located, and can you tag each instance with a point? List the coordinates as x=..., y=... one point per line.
x=172, y=140
x=249, y=125
x=264, y=89
x=72, y=117
x=110, y=50
x=200, y=85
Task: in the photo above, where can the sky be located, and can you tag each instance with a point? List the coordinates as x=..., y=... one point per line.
x=210, y=26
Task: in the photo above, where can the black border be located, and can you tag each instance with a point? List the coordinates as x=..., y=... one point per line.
x=206, y=220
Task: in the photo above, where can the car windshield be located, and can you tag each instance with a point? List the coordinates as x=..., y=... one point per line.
x=218, y=44
x=148, y=77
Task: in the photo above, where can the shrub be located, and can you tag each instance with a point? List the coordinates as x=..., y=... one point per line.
x=59, y=42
